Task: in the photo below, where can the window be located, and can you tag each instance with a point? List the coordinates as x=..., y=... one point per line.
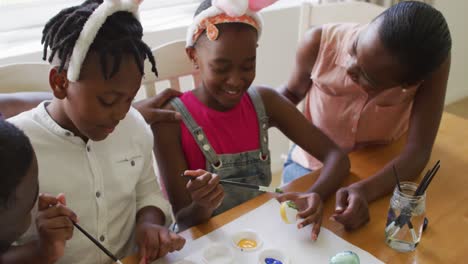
x=34, y=13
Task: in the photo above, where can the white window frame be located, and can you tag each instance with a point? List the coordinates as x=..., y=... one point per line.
x=28, y=15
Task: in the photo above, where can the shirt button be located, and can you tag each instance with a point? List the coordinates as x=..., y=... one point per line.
x=67, y=134
x=206, y=147
x=88, y=148
x=264, y=126
x=98, y=194
x=265, y=139
x=132, y=163
x=102, y=238
x=200, y=137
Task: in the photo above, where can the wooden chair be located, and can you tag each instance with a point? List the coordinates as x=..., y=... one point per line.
x=173, y=64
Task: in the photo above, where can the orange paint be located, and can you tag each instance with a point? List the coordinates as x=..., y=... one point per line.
x=247, y=243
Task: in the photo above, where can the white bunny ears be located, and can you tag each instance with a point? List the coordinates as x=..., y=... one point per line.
x=226, y=11
x=91, y=28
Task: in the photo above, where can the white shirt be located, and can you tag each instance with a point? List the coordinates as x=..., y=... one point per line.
x=105, y=182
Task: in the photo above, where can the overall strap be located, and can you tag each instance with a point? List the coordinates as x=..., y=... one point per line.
x=196, y=131
x=262, y=119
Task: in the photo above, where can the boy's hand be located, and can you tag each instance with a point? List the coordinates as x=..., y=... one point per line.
x=351, y=209
x=54, y=226
x=150, y=108
x=204, y=189
x=155, y=241
x=310, y=208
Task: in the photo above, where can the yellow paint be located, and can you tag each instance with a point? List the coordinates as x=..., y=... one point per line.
x=247, y=243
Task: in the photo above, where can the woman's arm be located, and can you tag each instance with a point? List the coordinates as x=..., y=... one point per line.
x=424, y=123
x=187, y=198
x=300, y=82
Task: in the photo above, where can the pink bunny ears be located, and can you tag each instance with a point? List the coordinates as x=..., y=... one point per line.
x=226, y=11
x=91, y=28
x=237, y=8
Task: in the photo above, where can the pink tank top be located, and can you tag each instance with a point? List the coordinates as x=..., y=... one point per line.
x=341, y=108
x=229, y=132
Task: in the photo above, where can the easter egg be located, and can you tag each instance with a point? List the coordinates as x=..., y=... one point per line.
x=345, y=257
x=288, y=212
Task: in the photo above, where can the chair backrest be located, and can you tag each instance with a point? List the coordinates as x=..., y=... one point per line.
x=313, y=14
x=26, y=77
x=173, y=64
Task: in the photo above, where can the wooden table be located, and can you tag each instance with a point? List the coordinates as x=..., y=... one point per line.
x=447, y=199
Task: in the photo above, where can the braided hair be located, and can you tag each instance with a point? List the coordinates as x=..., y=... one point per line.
x=417, y=35
x=121, y=33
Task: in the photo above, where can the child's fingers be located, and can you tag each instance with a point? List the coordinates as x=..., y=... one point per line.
x=63, y=234
x=45, y=201
x=58, y=211
x=178, y=241
x=316, y=230
x=287, y=197
x=61, y=198
x=341, y=201
x=61, y=222
x=152, y=247
x=195, y=173
x=165, y=243
x=142, y=254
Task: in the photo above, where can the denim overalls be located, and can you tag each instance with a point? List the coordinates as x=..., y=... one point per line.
x=251, y=167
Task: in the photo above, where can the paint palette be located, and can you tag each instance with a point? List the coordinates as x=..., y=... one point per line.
x=247, y=240
x=273, y=256
x=217, y=254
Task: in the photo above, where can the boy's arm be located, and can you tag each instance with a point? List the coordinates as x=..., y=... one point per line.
x=300, y=82
x=302, y=132
x=172, y=164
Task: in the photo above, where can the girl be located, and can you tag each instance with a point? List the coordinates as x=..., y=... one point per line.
x=90, y=143
x=225, y=122
x=369, y=84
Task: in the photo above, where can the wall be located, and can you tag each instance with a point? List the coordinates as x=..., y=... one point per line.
x=455, y=13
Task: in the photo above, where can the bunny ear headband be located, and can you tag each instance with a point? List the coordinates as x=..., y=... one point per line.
x=226, y=11
x=91, y=28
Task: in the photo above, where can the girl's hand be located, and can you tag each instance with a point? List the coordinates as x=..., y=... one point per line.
x=155, y=241
x=204, y=189
x=351, y=208
x=310, y=208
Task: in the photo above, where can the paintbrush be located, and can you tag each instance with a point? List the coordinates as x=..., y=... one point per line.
x=99, y=245
x=252, y=186
x=244, y=185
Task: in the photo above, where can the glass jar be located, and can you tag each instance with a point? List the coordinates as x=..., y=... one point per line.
x=405, y=218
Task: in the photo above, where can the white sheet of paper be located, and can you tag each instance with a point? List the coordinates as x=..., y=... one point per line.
x=266, y=221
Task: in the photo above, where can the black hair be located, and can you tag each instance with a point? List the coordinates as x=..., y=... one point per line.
x=16, y=156
x=121, y=33
x=239, y=26
x=418, y=35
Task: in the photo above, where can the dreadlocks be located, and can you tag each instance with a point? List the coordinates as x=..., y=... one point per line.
x=121, y=33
